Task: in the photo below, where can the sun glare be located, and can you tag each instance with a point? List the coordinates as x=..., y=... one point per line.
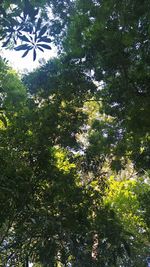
x=26, y=64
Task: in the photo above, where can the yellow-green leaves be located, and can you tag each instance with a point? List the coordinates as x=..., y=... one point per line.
x=61, y=160
x=122, y=196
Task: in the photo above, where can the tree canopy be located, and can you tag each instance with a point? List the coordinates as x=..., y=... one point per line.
x=75, y=135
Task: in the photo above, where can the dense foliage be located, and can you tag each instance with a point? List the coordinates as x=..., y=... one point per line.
x=74, y=136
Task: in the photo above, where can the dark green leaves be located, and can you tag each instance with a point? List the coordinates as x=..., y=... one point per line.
x=40, y=48
x=42, y=31
x=44, y=46
x=7, y=41
x=38, y=26
x=24, y=38
x=34, y=54
x=38, y=42
x=22, y=47
x=26, y=52
x=93, y=101
x=44, y=39
x=31, y=32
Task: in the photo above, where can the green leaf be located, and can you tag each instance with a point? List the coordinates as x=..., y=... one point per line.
x=34, y=55
x=26, y=52
x=3, y=119
x=42, y=31
x=22, y=47
x=40, y=49
x=45, y=39
x=45, y=46
x=7, y=42
x=24, y=38
x=38, y=24
x=28, y=29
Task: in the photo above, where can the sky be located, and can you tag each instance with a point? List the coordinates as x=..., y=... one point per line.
x=26, y=64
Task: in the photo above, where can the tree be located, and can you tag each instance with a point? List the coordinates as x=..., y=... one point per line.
x=124, y=196
x=112, y=41
x=58, y=153
x=51, y=207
